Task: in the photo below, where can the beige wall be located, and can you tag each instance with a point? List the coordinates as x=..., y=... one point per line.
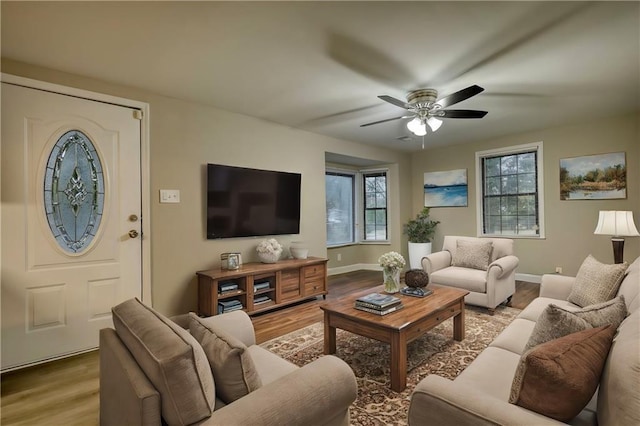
x=185, y=136
x=569, y=224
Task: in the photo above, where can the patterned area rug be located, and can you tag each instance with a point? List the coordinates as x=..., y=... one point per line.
x=434, y=353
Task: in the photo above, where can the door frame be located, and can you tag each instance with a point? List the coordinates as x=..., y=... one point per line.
x=145, y=184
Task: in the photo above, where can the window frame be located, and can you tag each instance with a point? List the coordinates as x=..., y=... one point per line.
x=363, y=208
x=354, y=228
x=480, y=185
x=359, y=236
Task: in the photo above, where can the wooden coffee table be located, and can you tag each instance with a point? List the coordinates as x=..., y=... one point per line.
x=418, y=316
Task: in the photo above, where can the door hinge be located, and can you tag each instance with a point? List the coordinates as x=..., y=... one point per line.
x=137, y=114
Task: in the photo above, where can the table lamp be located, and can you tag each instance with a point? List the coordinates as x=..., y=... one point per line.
x=618, y=224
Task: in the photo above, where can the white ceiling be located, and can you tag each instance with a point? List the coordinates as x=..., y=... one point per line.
x=319, y=66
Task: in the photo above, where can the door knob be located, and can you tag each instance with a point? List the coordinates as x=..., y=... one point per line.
x=133, y=233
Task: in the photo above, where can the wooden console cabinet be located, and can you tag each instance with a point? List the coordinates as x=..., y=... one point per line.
x=289, y=281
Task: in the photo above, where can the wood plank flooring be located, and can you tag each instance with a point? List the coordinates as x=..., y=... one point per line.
x=66, y=392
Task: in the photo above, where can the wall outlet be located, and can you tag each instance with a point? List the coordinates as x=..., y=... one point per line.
x=558, y=269
x=339, y=257
x=169, y=195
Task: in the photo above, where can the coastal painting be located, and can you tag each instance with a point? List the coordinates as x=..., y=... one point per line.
x=446, y=189
x=593, y=177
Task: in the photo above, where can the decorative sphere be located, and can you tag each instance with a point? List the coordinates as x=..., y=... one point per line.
x=416, y=278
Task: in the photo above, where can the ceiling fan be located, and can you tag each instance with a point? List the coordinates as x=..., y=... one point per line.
x=427, y=109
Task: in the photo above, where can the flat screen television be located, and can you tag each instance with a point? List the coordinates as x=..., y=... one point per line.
x=243, y=202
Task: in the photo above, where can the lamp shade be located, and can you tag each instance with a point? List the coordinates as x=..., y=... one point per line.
x=616, y=223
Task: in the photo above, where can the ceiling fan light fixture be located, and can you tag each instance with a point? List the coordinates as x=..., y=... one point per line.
x=417, y=127
x=434, y=123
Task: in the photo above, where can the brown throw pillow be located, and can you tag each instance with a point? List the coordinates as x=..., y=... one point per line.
x=233, y=369
x=558, y=378
x=553, y=323
x=596, y=282
x=472, y=254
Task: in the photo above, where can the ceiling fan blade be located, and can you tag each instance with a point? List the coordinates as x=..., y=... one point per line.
x=459, y=96
x=394, y=101
x=384, y=121
x=461, y=113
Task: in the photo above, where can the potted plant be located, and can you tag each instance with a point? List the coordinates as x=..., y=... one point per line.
x=420, y=232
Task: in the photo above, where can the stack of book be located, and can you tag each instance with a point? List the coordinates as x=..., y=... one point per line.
x=379, y=304
x=261, y=299
x=227, y=287
x=261, y=285
x=229, y=305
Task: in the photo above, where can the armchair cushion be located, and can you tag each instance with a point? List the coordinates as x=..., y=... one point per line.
x=172, y=360
x=231, y=363
x=471, y=254
x=596, y=282
x=559, y=377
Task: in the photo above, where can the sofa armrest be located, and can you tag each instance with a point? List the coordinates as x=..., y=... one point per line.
x=436, y=261
x=439, y=401
x=504, y=266
x=318, y=393
x=556, y=286
x=236, y=323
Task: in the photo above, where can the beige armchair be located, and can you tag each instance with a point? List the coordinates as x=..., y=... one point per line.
x=486, y=267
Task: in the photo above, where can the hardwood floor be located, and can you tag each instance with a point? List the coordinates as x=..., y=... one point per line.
x=66, y=392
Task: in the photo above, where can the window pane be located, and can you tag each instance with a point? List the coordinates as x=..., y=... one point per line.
x=375, y=187
x=381, y=200
x=505, y=212
x=339, y=193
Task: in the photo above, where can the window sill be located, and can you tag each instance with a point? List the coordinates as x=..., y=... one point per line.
x=514, y=236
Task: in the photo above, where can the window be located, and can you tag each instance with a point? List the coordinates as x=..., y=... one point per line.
x=340, y=190
x=510, y=192
x=375, y=206
x=361, y=195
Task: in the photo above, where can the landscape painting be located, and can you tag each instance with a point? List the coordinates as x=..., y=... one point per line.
x=593, y=177
x=446, y=189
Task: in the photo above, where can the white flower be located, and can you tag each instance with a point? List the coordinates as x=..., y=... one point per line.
x=271, y=246
x=392, y=260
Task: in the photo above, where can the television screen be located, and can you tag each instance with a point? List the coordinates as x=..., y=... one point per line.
x=244, y=202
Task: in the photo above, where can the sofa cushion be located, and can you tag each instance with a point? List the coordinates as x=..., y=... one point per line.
x=534, y=309
x=270, y=367
x=554, y=322
x=630, y=286
x=596, y=282
x=612, y=312
x=559, y=377
x=233, y=369
x=619, y=392
x=472, y=254
x=482, y=375
x=514, y=338
x=172, y=360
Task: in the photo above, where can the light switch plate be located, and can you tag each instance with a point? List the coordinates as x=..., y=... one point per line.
x=169, y=195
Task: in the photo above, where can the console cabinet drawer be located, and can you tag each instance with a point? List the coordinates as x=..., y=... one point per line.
x=290, y=284
x=314, y=272
x=313, y=287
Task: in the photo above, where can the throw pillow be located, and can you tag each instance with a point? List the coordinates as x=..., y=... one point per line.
x=233, y=369
x=612, y=312
x=472, y=254
x=558, y=378
x=596, y=282
x=553, y=323
x=171, y=358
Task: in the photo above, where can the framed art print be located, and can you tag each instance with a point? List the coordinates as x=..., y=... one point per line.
x=594, y=177
x=446, y=189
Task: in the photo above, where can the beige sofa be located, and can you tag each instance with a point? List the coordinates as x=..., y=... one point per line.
x=152, y=372
x=480, y=394
x=487, y=287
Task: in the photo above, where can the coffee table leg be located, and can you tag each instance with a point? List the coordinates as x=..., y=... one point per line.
x=458, y=324
x=398, y=361
x=329, y=336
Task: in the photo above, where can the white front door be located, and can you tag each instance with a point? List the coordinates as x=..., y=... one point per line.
x=71, y=227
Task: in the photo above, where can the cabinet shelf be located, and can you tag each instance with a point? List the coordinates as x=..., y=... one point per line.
x=289, y=281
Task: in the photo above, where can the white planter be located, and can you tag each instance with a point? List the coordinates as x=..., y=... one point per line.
x=416, y=252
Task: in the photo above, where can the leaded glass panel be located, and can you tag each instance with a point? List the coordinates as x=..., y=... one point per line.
x=74, y=191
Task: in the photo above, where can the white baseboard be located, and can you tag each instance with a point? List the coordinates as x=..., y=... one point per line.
x=530, y=278
x=354, y=267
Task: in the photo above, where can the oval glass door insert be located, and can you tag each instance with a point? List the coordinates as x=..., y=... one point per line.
x=74, y=191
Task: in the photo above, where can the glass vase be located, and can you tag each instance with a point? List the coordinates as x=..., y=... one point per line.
x=391, y=280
